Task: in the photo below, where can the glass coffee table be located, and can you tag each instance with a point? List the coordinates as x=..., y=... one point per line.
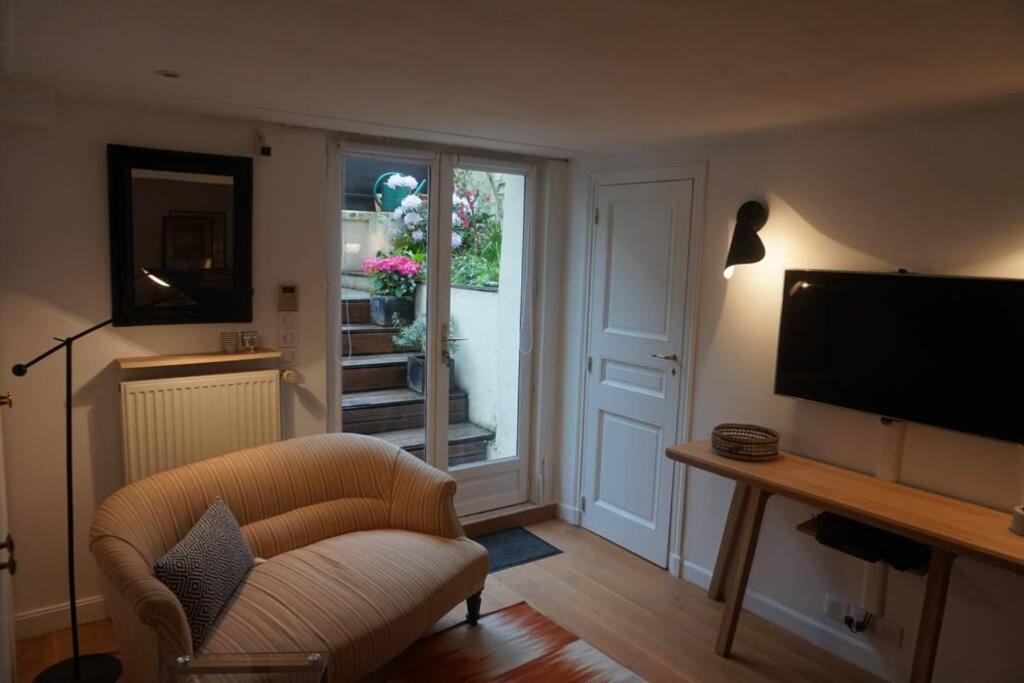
x=293, y=667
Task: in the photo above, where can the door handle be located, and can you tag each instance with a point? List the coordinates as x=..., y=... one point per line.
x=10, y=565
x=446, y=340
x=7, y=400
x=672, y=357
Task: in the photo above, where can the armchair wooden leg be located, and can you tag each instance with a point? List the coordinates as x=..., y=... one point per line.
x=473, y=608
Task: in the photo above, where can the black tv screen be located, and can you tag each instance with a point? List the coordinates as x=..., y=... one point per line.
x=942, y=351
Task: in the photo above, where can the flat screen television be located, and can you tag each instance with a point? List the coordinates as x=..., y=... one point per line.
x=942, y=351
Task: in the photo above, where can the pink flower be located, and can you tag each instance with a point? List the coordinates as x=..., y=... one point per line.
x=402, y=265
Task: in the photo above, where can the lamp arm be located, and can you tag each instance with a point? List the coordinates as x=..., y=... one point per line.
x=21, y=368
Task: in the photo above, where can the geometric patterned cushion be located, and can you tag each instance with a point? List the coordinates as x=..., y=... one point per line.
x=204, y=568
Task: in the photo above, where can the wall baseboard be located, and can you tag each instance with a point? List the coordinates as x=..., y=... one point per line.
x=834, y=640
x=36, y=622
x=569, y=514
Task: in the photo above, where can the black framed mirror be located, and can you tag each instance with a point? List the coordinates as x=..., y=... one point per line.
x=186, y=217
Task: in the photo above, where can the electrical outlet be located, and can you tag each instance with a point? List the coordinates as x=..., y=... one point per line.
x=880, y=630
x=885, y=631
x=834, y=607
x=858, y=614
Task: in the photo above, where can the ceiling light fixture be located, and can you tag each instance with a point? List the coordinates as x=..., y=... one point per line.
x=746, y=246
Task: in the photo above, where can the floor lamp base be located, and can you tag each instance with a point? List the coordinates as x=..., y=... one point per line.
x=92, y=669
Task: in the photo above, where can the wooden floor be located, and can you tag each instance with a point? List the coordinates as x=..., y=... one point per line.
x=661, y=627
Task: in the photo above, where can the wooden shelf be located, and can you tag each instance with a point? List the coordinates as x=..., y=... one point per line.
x=194, y=359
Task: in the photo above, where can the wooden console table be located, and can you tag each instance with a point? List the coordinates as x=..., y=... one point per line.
x=951, y=527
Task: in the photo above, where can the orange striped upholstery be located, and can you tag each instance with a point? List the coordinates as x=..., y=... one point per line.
x=365, y=552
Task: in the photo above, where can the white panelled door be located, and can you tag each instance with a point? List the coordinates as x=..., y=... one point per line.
x=6, y=607
x=635, y=348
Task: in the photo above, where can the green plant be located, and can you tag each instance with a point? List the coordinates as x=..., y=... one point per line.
x=478, y=271
x=478, y=207
x=413, y=337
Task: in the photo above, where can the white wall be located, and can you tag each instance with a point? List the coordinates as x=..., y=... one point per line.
x=54, y=280
x=934, y=192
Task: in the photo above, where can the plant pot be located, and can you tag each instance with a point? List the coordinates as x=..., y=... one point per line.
x=383, y=309
x=416, y=373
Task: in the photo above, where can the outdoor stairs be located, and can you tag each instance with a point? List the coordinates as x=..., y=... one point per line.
x=376, y=400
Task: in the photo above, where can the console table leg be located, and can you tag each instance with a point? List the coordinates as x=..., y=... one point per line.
x=740, y=495
x=745, y=547
x=934, y=606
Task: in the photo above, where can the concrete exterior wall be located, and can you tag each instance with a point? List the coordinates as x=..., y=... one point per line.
x=487, y=365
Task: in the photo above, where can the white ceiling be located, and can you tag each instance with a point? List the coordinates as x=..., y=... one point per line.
x=558, y=77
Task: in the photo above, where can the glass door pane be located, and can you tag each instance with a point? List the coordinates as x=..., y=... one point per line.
x=385, y=223
x=485, y=315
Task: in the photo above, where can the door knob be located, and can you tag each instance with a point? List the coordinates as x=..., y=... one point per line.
x=7, y=399
x=672, y=357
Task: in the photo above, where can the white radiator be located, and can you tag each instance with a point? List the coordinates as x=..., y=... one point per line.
x=170, y=422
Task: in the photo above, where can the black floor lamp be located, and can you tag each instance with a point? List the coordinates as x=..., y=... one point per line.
x=95, y=668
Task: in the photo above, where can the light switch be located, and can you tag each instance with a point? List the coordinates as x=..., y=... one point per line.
x=288, y=339
x=289, y=320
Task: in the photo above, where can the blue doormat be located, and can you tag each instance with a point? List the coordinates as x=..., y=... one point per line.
x=513, y=547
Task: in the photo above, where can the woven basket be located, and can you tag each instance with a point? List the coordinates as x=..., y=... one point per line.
x=745, y=442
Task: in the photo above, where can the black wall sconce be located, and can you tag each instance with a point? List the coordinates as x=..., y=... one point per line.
x=746, y=246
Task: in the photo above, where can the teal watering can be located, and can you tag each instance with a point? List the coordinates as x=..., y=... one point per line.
x=391, y=197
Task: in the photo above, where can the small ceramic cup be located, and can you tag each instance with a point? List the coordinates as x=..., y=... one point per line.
x=229, y=342
x=250, y=339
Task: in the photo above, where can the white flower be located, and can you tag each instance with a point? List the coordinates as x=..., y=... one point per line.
x=412, y=202
x=417, y=235
x=456, y=240
x=455, y=199
x=412, y=218
x=455, y=219
x=398, y=180
x=397, y=213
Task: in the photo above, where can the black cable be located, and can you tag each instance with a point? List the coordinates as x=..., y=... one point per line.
x=858, y=626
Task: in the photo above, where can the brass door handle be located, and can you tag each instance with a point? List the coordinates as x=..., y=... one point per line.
x=7, y=400
x=672, y=357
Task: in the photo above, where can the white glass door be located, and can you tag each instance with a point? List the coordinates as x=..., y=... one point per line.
x=486, y=348
x=433, y=349
x=386, y=309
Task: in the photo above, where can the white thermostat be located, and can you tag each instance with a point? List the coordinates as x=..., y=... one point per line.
x=288, y=297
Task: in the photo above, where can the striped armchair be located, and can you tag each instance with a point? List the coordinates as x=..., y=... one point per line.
x=364, y=553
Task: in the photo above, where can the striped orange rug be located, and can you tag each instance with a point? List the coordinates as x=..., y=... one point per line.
x=516, y=643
